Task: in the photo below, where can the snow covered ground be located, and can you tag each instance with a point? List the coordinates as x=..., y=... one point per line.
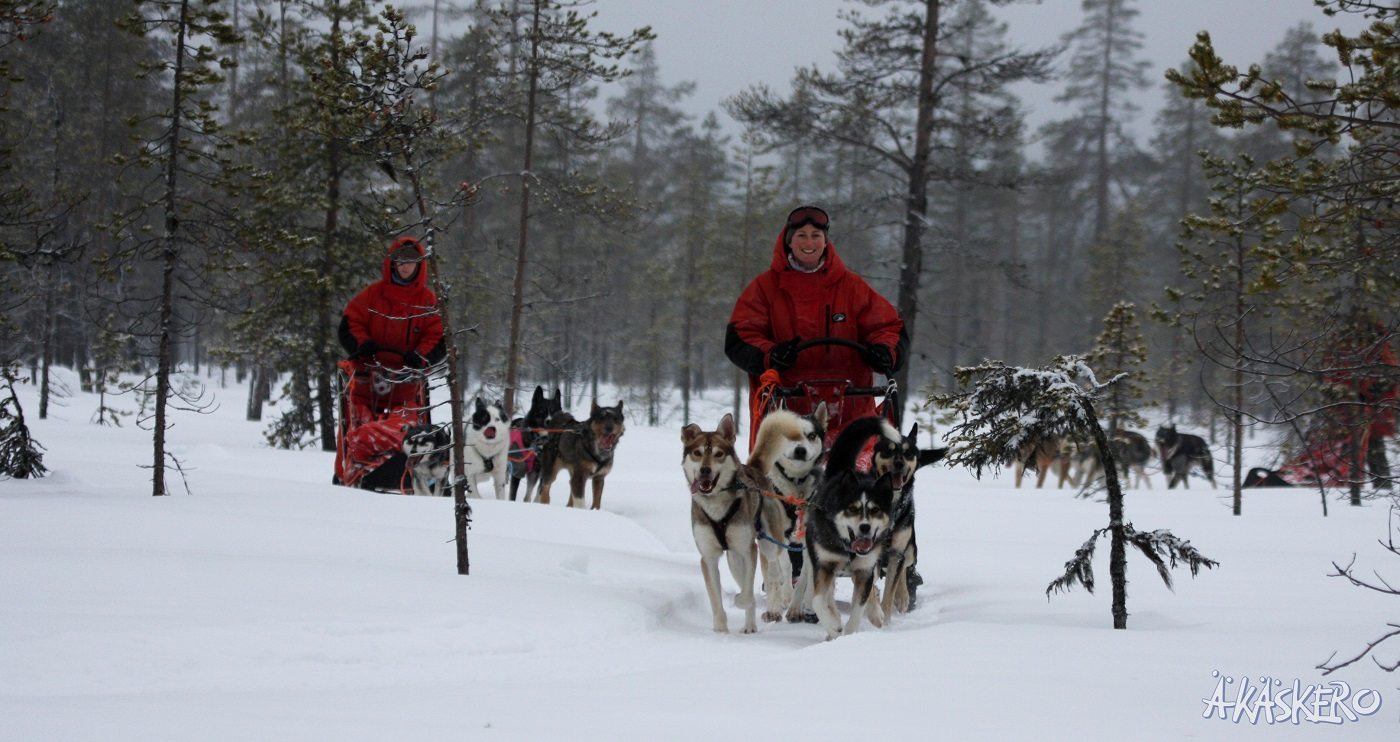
x=269, y=605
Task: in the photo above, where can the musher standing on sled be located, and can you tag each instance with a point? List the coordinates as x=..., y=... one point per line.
x=808, y=293
x=395, y=320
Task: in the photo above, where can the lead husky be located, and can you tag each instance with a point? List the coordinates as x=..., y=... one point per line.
x=585, y=450
x=722, y=514
x=487, y=448
x=848, y=523
x=786, y=460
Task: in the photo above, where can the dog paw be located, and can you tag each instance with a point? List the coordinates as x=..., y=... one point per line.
x=772, y=616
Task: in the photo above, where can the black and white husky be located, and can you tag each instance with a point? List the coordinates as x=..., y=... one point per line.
x=786, y=462
x=486, y=449
x=848, y=524
x=899, y=456
x=429, y=452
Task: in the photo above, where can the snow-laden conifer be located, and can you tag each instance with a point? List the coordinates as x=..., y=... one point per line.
x=1010, y=409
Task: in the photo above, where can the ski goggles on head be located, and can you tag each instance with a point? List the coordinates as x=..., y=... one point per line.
x=804, y=215
x=406, y=254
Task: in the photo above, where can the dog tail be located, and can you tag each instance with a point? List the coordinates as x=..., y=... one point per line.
x=847, y=446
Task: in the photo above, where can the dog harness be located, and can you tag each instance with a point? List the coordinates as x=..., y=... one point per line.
x=720, y=525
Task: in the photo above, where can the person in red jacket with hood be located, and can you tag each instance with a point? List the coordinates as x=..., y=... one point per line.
x=395, y=320
x=806, y=293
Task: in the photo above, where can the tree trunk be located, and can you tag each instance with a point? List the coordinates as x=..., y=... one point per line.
x=325, y=316
x=1118, y=552
x=518, y=296
x=170, y=257
x=916, y=200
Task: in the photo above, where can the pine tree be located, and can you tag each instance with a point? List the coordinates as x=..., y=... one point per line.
x=21, y=456
x=1231, y=253
x=1120, y=354
x=1008, y=408
x=559, y=55
x=190, y=157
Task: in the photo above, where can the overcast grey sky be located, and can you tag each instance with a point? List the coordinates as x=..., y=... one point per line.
x=725, y=46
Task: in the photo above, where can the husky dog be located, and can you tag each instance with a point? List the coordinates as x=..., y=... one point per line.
x=1179, y=451
x=848, y=523
x=785, y=460
x=541, y=410
x=899, y=456
x=722, y=514
x=428, y=449
x=486, y=448
x=1041, y=456
x=586, y=450
x=1131, y=451
x=1261, y=477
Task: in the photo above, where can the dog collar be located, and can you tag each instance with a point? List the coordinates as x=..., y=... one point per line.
x=788, y=477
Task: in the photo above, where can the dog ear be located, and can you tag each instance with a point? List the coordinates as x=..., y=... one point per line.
x=931, y=456
x=593, y=411
x=539, y=396
x=914, y=432
x=821, y=414
x=619, y=407
x=726, y=427
x=690, y=433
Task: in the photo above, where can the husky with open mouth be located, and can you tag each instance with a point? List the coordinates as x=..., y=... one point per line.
x=848, y=525
x=722, y=514
x=786, y=462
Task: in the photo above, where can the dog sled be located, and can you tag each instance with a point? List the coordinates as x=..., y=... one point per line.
x=378, y=405
x=1328, y=459
x=804, y=396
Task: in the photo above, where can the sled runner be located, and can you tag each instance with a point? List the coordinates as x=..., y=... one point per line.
x=804, y=396
x=377, y=405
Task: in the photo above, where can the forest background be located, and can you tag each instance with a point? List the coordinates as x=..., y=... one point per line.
x=193, y=184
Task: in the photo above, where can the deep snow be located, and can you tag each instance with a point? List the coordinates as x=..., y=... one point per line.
x=270, y=605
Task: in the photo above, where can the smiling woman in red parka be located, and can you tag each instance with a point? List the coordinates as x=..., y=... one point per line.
x=808, y=293
x=395, y=320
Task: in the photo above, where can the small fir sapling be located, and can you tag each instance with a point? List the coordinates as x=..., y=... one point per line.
x=1010, y=408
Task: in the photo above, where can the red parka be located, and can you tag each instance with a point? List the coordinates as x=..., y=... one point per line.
x=783, y=303
x=400, y=319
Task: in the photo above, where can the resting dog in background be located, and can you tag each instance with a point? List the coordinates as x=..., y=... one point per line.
x=586, y=450
x=486, y=449
x=785, y=459
x=537, y=418
x=1179, y=452
x=722, y=514
x=429, y=452
x=1262, y=477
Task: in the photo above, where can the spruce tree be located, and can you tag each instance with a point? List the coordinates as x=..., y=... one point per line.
x=1120, y=353
x=1009, y=408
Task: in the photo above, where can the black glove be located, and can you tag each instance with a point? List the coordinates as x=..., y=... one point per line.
x=783, y=355
x=366, y=349
x=412, y=359
x=878, y=358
